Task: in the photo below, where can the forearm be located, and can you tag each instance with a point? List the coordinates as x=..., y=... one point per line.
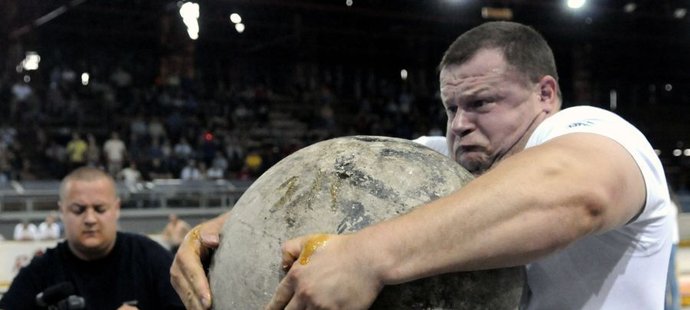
x=459, y=233
x=510, y=216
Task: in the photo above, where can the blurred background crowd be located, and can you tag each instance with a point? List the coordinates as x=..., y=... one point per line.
x=224, y=89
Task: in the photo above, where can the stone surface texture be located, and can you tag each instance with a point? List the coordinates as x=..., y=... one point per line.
x=340, y=186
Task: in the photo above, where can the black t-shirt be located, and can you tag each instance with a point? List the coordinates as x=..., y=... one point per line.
x=137, y=269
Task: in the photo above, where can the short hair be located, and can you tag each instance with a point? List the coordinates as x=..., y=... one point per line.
x=84, y=174
x=522, y=46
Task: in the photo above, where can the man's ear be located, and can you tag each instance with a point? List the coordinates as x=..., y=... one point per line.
x=548, y=94
x=60, y=210
x=117, y=207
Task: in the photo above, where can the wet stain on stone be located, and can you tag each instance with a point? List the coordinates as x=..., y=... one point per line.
x=334, y=189
x=314, y=189
x=295, y=205
x=300, y=196
x=372, y=138
x=289, y=186
x=345, y=169
x=355, y=217
x=387, y=152
x=290, y=220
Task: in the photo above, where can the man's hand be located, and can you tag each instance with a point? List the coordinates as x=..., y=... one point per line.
x=325, y=272
x=187, y=273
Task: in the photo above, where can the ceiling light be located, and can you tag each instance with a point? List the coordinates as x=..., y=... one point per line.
x=680, y=13
x=576, y=4
x=235, y=18
x=630, y=7
x=239, y=27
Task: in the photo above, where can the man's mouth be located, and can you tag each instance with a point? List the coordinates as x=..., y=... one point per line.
x=468, y=148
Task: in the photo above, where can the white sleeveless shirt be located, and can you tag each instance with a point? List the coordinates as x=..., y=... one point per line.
x=624, y=268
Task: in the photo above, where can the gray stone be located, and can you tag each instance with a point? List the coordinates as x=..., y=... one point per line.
x=340, y=186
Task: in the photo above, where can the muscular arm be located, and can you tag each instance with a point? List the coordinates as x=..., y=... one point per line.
x=531, y=204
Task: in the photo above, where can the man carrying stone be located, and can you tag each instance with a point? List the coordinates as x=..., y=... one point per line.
x=578, y=195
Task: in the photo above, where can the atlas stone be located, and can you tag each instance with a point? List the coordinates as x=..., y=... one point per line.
x=340, y=186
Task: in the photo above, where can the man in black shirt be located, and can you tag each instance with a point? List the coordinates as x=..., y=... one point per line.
x=109, y=269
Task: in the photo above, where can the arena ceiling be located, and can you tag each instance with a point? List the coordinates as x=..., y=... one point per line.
x=323, y=24
x=648, y=44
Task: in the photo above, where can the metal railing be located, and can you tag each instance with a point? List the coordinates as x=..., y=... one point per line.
x=33, y=196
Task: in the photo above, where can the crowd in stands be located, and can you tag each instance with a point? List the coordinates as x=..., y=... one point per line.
x=180, y=128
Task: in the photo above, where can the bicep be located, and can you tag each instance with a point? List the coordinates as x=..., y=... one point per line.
x=605, y=169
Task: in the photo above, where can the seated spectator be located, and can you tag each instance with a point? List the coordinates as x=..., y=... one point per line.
x=115, y=152
x=235, y=152
x=156, y=129
x=253, y=162
x=130, y=175
x=157, y=170
x=183, y=150
x=25, y=231
x=244, y=174
x=167, y=151
x=190, y=171
x=155, y=150
x=175, y=231
x=203, y=170
x=216, y=172
x=219, y=161
x=76, y=151
x=26, y=173
x=138, y=126
x=56, y=156
x=7, y=157
x=49, y=229
x=93, y=152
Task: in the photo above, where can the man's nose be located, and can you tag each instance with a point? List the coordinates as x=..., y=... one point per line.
x=90, y=216
x=462, y=123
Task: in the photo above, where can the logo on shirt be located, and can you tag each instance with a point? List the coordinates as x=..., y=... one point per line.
x=580, y=124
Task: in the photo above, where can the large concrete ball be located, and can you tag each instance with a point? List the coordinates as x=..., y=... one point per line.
x=340, y=186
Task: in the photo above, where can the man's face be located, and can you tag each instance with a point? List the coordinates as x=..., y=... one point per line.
x=491, y=110
x=90, y=211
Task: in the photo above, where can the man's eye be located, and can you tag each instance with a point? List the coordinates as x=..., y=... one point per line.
x=452, y=109
x=477, y=104
x=77, y=210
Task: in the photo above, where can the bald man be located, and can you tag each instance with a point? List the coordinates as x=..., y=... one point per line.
x=109, y=269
